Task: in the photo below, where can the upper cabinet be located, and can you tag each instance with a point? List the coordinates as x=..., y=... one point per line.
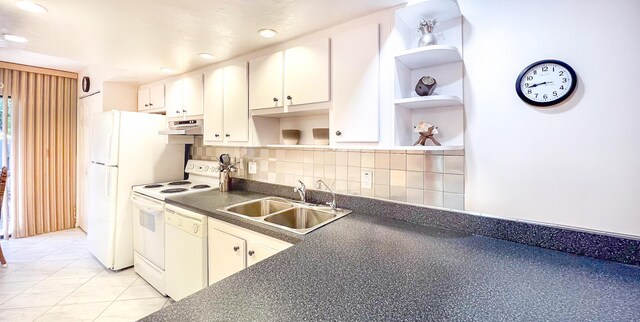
x=265, y=82
x=306, y=73
x=151, y=98
x=226, y=112
x=185, y=96
x=356, y=85
x=297, y=76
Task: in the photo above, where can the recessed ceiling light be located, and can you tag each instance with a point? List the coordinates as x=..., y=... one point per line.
x=205, y=55
x=28, y=5
x=166, y=70
x=267, y=33
x=14, y=38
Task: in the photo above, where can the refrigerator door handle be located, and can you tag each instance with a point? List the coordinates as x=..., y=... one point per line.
x=107, y=183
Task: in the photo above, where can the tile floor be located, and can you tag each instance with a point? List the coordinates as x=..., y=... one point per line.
x=53, y=277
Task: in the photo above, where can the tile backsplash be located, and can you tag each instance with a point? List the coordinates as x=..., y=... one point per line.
x=433, y=178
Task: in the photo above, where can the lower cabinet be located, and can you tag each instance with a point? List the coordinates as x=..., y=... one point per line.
x=233, y=248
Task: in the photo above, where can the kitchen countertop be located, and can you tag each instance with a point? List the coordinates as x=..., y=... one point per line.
x=369, y=267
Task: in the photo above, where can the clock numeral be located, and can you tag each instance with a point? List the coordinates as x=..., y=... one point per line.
x=528, y=91
x=535, y=72
x=553, y=69
x=562, y=87
x=555, y=93
x=545, y=96
x=526, y=84
x=529, y=78
x=545, y=68
x=561, y=72
x=564, y=80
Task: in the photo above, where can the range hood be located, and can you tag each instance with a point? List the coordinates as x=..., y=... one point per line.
x=184, y=127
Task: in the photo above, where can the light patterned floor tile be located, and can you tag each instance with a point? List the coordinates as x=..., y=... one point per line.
x=22, y=314
x=74, y=312
x=131, y=310
x=71, y=272
x=140, y=289
x=100, y=289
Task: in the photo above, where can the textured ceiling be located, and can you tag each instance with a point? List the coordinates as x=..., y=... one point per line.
x=140, y=36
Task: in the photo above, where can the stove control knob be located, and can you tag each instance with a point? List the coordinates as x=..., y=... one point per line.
x=205, y=167
x=190, y=167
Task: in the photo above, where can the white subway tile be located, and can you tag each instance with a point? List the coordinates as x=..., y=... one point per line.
x=433, y=198
x=354, y=159
x=381, y=191
x=454, y=164
x=398, y=178
x=415, y=179
x=434, y=163
x=367, y=160
x=398, y=193
x=381, y=177
x=415, y=162
x=342, y=158
x=382, y=160
x=415, y=196
x=454, y=201
x=342, y=172
x=354, y=174
x=330, y=157
x=398, y=161
x=454, y=183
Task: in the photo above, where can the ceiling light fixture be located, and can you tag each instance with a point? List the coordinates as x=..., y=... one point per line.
x=30, y=6
x=14, y=38
x=267, y=33
x=206, y=55
x=166, y=70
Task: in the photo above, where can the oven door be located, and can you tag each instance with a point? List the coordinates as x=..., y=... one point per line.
x=148, y=228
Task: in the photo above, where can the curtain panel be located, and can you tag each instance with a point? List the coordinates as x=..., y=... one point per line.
x=42, y=151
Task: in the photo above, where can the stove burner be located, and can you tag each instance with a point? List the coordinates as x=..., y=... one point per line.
x=201, y=186
x=179, y=183
x=149, y=186
x=173, y=190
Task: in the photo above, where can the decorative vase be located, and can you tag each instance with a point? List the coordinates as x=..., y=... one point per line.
x=426, y=27
x=426, y=85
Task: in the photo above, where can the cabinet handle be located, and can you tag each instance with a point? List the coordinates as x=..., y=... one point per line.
x=251, y=253
x=338, y=133
x=150, y=104
x=275, y=99
x=227, y=135
x=289, y=97
x=146, y=105
x=235, y=248
x=217, y=135
x=177, y=112
x=184, y=111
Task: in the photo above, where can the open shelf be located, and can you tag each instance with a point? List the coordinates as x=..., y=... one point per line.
x=279, y=112
x=426, y=56
x=428, y=101
x=298, y=146
x=429, y=148
x=429, y=9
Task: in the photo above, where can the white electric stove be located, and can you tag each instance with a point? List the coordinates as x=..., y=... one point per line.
x=149, y=218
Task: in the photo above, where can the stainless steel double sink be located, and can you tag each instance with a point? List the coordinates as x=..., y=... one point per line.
x=286, y=214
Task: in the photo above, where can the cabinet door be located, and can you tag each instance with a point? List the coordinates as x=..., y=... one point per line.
x=236, y=103
x=174, y=102
x=265, y=81
x=143, y=99
x=356, y=85
x=156, y=96
x=213, y=105
x=257, y=252
x=306, y=73
x=193, y=94
x=226, y=255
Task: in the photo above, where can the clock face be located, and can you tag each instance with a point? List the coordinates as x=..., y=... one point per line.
x=546, y=82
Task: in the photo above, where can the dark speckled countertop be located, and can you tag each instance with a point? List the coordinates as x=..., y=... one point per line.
x=367, y=267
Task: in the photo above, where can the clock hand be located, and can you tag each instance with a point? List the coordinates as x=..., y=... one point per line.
x=543, y=83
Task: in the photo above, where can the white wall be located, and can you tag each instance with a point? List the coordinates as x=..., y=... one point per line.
x=578, y=163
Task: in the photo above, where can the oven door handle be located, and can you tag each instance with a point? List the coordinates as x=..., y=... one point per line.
x=152, y=208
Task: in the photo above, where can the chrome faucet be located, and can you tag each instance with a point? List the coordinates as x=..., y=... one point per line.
x=332, y=204
x=302, y=191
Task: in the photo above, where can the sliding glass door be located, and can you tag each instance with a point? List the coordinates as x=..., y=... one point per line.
x=5, y=154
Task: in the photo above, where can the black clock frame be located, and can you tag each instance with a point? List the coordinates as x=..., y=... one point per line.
x=86, y=84
x=552, y=102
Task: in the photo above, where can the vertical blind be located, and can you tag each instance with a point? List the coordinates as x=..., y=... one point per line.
x=43, y=151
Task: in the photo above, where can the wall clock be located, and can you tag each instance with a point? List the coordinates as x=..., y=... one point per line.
x=546, y=82
x=86, y=84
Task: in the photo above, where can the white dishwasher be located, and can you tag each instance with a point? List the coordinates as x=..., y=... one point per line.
x=185, y=252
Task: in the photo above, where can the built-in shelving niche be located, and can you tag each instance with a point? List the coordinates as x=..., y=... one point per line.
x=269, y=123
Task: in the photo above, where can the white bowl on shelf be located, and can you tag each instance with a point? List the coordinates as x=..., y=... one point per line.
x=321, y=136
x=290, y=136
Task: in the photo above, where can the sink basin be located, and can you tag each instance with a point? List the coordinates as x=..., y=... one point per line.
x=259, y=208
x=300, y=218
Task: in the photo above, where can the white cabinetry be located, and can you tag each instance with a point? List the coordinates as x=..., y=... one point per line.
x=355, y=116
x=265, y=82
x=297, y=76
x=151, y=98
x=226, y=112
x=236, y=103
x=232, y=249
x=185, y=96
x=306, y=73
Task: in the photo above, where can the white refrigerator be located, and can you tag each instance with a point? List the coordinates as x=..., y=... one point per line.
x=126, y=150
